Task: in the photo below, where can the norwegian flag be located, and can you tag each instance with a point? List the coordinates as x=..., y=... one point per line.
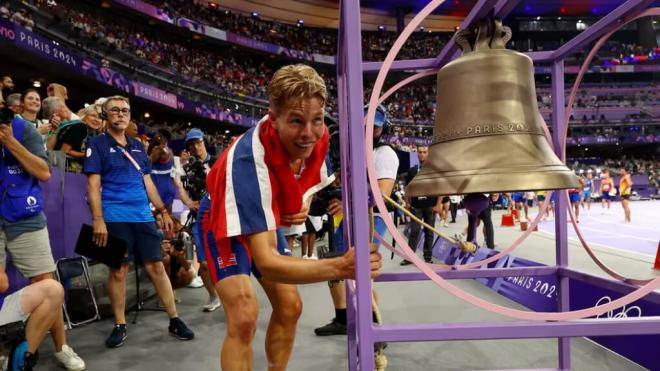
x=252, y=184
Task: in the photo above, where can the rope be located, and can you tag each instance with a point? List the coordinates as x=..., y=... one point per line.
x=380, y=359
x=465, y=246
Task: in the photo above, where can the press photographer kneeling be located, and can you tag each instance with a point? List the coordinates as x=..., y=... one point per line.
x=177, y=252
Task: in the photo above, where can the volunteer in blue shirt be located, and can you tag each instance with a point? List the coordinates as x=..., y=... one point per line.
x=119, y=190
x=23, y=232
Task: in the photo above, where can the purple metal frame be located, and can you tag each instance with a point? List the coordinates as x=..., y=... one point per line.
x=362, y=333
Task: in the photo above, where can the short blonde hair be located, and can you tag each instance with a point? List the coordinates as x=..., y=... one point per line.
x=294, y=82
x=87, y=111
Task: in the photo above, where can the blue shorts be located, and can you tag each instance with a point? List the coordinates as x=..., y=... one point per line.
x=142, y=238
x=586, y=195
x=518, y=197
x=379, y=227
x=574, y=196
x=606, y=196
x=239, y=260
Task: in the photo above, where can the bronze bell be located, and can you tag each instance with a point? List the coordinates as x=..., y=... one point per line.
x=488, y=134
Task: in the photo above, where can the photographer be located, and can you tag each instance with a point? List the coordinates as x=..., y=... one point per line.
x=177, y=257
x=198, y=162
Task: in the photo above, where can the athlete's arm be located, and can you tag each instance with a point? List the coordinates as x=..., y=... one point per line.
x=287, y=269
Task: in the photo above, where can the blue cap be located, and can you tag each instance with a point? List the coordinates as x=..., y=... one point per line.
x=192, y=135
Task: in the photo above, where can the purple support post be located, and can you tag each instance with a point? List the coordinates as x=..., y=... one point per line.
x=357, y=178
x=345, y=158
x=561, y=231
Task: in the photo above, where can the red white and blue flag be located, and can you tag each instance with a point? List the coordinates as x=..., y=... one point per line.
x=252, y=184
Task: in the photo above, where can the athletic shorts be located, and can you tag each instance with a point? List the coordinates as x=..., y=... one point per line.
x=30, y=252
x=530, y=203
x=313, y=224
x=586, y=196
x=239, y=259
x=143, y=240
x=574, y=196
x=625, y=197
x=540, y=198
x=12, y=310
x=518, y=197
x=606, y=196
x=446, y=200
x=293, y=230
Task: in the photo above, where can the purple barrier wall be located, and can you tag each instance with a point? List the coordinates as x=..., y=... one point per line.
x=65, y=213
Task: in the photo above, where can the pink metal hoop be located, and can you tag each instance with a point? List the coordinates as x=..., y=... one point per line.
x=513, y=313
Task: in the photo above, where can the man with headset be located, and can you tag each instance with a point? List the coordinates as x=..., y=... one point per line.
x=387, y=166
x=119, y=189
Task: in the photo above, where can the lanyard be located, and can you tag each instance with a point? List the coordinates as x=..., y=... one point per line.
x=130, y=158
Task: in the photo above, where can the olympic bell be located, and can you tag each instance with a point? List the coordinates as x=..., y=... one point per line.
x=488, y=134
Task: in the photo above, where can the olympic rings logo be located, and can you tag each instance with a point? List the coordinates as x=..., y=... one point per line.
x=624, y=313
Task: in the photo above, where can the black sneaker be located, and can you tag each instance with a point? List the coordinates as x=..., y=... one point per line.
x=428, y=260
x=332, y=328
x=117, y=337
x=179, y=330
x=405, y=262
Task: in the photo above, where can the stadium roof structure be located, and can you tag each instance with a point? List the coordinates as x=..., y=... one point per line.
x=532, y=8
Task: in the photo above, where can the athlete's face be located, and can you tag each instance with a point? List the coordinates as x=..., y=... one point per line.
x=299, y=127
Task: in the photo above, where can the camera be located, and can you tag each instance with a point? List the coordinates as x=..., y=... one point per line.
x=183, y=243
x=194, y=180
x=322, y=200
x=6, y=115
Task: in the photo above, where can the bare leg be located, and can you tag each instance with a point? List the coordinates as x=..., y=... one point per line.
x=117, y=293
x=303, y=245
x=311, y=241
x=626, y=209
x=57, y=331
x=281, y=333
x=43, y=300
x=239, y=301
x=163, y=286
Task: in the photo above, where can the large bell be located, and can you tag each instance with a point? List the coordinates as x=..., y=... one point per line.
x=488, y=134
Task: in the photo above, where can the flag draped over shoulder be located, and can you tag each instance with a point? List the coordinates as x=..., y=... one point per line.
x=252, y=185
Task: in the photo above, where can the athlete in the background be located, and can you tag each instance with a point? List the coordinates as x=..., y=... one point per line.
x=606, y=189
x=587, y=190
x=625, y=188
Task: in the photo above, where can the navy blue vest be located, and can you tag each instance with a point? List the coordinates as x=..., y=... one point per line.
x=21, y=193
